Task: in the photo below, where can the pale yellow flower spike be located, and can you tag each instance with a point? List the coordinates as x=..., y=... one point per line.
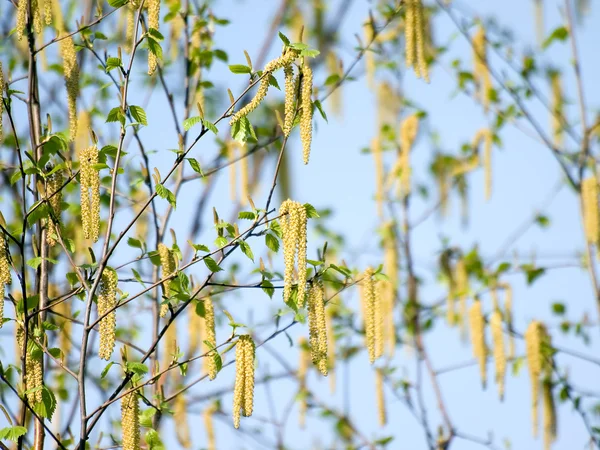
x=290, y=99
x=381, y=411
x=1, y=102
x=107, y=300
x=549, y=413
x=167, y=262
x=231, y=155
x=211, y=337
x=330, y=348
x=421, y=70
x=210, y=429
x=302, y=369
x=317, y=327
x=170, y=341
x=481, y=71
x=34, y=374
x=130, y=421
x=21, y=19
x=306, y=111
x=499, y=351
x=556, y=109
x=71, y=73
x=379, y=175
x=182, y=428
x=389, y=287
x=37, y=17
x=90, y=192
x=372, y=316
x=249, y=355
x=408, y=133
x=485, y=135
x=5, y=277
x=244, y=177
x=53, y=186
x=48, y=11
x=130, y=27
x=243, y=391
x=508, y=318
x=462, y=290
x=293, y=228
x=533, y=343
x=589, y=202
x=369, y=55
x=195, y=331
x=153, y=22
x=414, y=39
x=409, y=32
x=477, y=325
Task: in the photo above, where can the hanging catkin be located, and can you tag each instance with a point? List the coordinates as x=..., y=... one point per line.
x=53, y=191
x=557, y=106
x=589, y=202
x=414, y=38
x=306, y=112
x=408, y=133
x=381, y=410
x=317, y=327
x=90, y=192
x=1, y=102
x=372, y=315
x=153, y=22
x=107, y=300
x=5, y=277
x=499, y=350
x=210, y=336
x=71, y=74
x=130, y=421
x=168, y=264
x=481, y=71
x=477, y=325
x=293, y=227
x=243, y=391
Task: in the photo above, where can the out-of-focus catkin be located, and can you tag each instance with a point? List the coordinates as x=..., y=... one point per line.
x=389, y=287
x=21, y=19
x=168, y=265
x=231, y=158
x=487, y=137
x=508, y=318
x=47, y=7
x=461, y=277
x=379, y=188
x=539, y=361
x=182, y=428
x=317, y=326
x=408, y=133
x=243, y=391
x=499, y=351
x=414, y=38
x=481, y=71
x=107, y=300
x=549, y=414
x=153, y=22
x=302, y=371
x=557, y=106
x=330, y=348
x=589, y=203
x=1, y=102
x=372, y=315
x=5, y=277
x=130, y=421
x=369, y=34
x=293, y=227
x=90, y=192
x=306, y=112
x=54, y=192
x=381, y=410
x=71, y=73
x=477, y=325
x=209, y=427
x=211, y=337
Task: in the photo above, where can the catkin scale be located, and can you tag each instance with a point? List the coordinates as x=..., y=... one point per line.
x=90, y=192
x=477, y=325
x=130, y=422
x=107, y=300
x=589, y=202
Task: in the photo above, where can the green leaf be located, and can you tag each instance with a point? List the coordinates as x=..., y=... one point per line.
x=34, y=263
x=268, y=288
x=318, y=105
x=117, y=3
x=212, y=264
x=272, y=242
x=16, y=176
x=542, y=221
x=559, y=34
x=55, y=352
x=284, y=38
x=246, y=215
x=36, y=213
x=166, y=194
x=146, y=417
x=211, y=126
x=112, y=63
x=311, y=212
x=116, y=115
x=190, y=122
x=106, y=369
x=135, y=243
x=242, y=130
x=559, y=308
x=153, y=440
x=139, y=114
x=195, y=165
x=239, y=68
x=12, y=433
x=47, y=406
x=155, y=48
x=136, y=367
x=199, y=247
x=153, y=33
x=247, y=250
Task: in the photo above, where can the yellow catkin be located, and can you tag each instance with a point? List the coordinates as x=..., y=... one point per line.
x=196, y=332
x=330, y=348
x=182, y=428
x=508, y=318
x=557, y=106
x=34, y=375
x=64, y=309
x=82, y=138
x=209, y=428
x=389, y=287
x=549, y=414
x=461, y=277
x=244, y=177
x=414, y=31
x=372, y=315
x=90, y=192
x=589, y=202
x=107, y=300
x=534, y=363
x=153, y=22
x=210, y=336
x=306, y=111
x=487, y=137
x=47, y=7
x=302, y=371
x=129, y=27
x=57, y=19
x=477, y=325
x=380, y=395
x=369, y=55
x=290, y=99
x=271, y=67
x=5, y=277
x=1, y=102
x=71, y=73
x=243, y=391
x=53, y=189
x=389, y=104
x=499, y=350
x=130, y=421
x=37, y=17
x=317, y=327
x=481, y=71
x=231, y=156
x=171, y=345
x=379, y=188
x=293, y=228
x=408, y=133
x=167, y=262
x=539, y=20
x=21, y=19
x=334, y=67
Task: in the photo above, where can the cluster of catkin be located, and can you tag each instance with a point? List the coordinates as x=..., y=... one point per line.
x=34, y=373
x=54, y=192
x=153, y=22
x=481, y=71
x=34, y=15
x=589, y=207
x=90, y=192
x=293, y=227
x=107, y=301
x=317, y=326
x=539, y=360
x=243, y=391
x=168, y=265
x=5, y=277
x=130, y=421
x=372, y=317
x=414, y=33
